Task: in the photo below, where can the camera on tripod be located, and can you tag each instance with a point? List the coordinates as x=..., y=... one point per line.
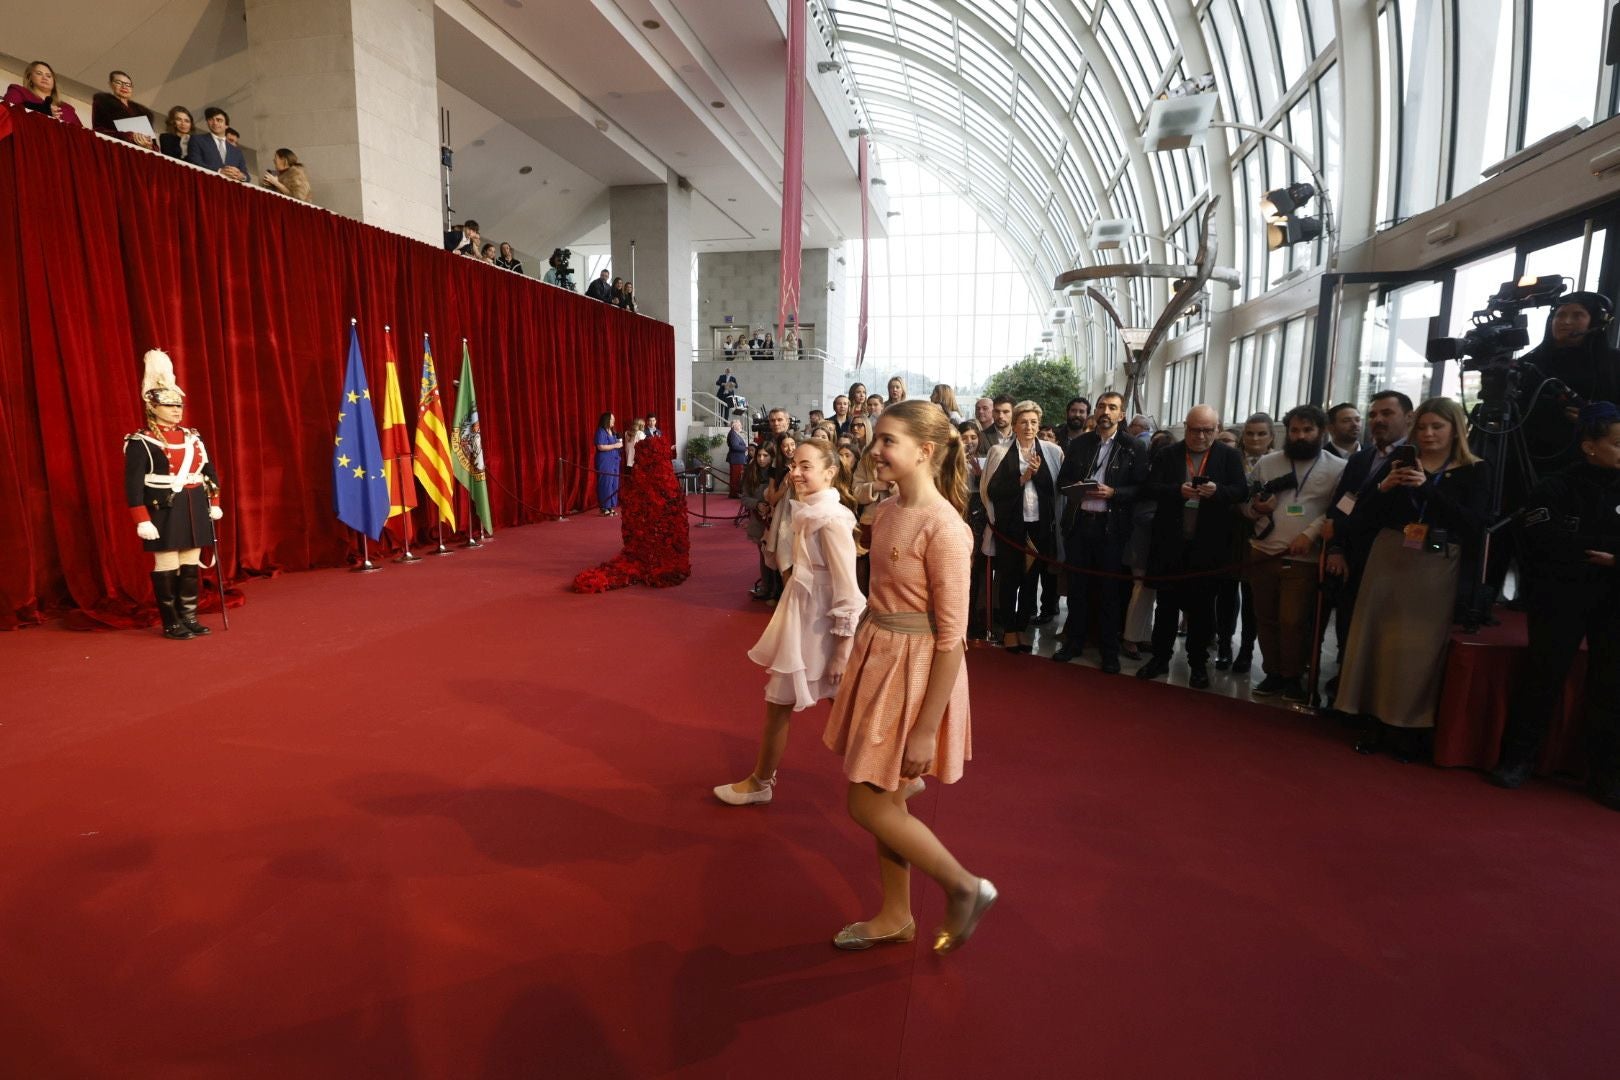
x=559, y=263
x=1500, y=329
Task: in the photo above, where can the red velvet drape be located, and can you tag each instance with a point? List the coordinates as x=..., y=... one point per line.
x=116, y=251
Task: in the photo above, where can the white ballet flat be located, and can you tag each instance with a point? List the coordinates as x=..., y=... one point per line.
x=915, y=788
x=746, y=798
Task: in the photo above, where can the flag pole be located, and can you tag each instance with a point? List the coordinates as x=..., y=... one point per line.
x=472, y=536
x=404, y=478
x=366, y=565
x=438, y=529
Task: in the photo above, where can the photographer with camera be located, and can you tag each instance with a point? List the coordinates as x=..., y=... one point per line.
x=1570, y=532
x=558, y=272
x=1430, y=510
x=1290, y=492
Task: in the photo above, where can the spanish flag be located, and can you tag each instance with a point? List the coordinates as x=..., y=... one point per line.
x=433, y=443
x=396, y=449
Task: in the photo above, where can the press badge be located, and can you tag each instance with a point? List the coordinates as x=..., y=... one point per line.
x=1296, y=510
x=1416, y=534
x=1346, y=504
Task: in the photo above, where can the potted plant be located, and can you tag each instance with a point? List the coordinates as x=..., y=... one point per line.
x=698, y=461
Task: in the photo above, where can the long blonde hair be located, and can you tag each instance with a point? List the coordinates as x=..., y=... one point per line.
x=944, y=397
x=1452, y=413
x=926, y=422
x=842, y=481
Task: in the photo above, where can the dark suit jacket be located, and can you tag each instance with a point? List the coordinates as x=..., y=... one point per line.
x=1353, y=536
x=202, y=151
x=1127, y=469
x=600, y=290
x=169, y=143
x=1211, y=543
x=455, y=240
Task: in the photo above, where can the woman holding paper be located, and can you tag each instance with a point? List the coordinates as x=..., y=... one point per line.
x=108, y=110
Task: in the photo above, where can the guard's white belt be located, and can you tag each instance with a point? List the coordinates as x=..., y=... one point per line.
x=167, y=479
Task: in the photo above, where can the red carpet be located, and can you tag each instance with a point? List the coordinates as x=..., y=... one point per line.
x=451, y=820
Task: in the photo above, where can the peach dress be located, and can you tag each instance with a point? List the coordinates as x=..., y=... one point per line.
x=806, y=646
x=922, y=565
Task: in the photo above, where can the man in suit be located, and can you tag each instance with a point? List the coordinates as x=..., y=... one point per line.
x=213, y=151
x=600, y=289
x=1097, y=521
x=1196, y=483
x=463, y=240
x=1389, y=420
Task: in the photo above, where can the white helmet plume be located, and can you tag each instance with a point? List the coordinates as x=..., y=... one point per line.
x=157, y=384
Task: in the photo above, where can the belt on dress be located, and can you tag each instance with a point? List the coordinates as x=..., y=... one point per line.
x=901, y=622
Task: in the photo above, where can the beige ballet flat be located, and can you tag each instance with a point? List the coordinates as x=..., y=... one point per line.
x=746, y=798
x=945, y=941
x=850, y=941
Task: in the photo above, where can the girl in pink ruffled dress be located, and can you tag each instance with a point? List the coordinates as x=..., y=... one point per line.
x=806, y=646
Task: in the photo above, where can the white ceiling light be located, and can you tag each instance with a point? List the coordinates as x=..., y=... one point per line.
x=1107, y=234
x=1178, y=123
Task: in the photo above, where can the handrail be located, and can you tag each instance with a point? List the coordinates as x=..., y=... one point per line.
x=743, y=355
x=717, y=411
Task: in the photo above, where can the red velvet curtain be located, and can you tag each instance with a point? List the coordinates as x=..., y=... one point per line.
x=117, y=251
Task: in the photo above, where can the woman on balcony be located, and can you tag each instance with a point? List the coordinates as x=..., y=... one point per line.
x=38, y=92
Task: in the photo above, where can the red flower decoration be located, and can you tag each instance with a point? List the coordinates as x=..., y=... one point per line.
x=652, y=512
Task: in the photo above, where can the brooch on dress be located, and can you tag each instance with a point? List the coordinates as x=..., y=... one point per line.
x=894, y=553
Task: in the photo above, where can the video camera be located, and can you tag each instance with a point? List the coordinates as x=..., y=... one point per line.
x=1500, y=330
x=1260, y=489
x=559, y=262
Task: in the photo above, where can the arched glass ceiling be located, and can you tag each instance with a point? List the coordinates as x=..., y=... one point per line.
x=1036, y=103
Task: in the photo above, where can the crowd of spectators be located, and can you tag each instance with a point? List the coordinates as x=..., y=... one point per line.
x=619, y=292
x=1245, y=548
x=116, y=113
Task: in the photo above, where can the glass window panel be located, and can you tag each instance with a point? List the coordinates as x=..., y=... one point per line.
x=1484, y=66
x=1291, y=43
x=1388, y=109
x=1232, y=63
x=1265, y=378
x=1564, y=259
x=1289, y=391
x=1422, y=111
x=1320, y=14
x=1566, y=45
x=1264, y=66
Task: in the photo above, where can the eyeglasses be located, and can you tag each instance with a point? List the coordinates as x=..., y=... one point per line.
x=1200, y=431
x=124, y=84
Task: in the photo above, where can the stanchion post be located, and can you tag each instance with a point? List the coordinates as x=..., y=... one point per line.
x=703, y=499
x=560, y=515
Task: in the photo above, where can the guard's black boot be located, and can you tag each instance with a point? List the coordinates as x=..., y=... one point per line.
x=186, y=600
x=1510, y=773
x=165, y=586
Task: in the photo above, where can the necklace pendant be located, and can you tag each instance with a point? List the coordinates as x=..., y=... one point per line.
x=894, y=553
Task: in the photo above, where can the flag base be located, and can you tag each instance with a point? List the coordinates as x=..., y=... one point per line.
x=408, y=557
x=367, y=567
x=471, y=542
x=441, y=550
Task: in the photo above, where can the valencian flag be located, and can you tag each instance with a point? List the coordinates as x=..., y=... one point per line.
x=433, y=442
x=396, y=450
x=466, y=446
x=359, y=473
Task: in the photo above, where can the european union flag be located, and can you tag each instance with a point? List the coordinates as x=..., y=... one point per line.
x=359, y=473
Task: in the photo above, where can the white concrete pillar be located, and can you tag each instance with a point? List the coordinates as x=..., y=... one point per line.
x=653, y=221
x=351, y=86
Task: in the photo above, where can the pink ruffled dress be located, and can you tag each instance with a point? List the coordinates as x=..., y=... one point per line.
x=922, y=566
x=806, y=647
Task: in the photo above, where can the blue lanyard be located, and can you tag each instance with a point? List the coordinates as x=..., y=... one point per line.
x=1433, y=481
x=1299, y=485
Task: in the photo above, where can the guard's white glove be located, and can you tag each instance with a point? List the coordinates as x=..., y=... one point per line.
x=146, y=531
x=215, y=513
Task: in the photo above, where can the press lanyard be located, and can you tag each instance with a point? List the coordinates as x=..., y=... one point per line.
x=1202, y=465
x=1299, y=485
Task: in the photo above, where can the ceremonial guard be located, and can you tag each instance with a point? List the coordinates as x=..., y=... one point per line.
x=173, y=495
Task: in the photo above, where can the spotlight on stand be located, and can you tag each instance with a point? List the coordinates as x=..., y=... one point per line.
x=1285, y=200
x=1287, y=231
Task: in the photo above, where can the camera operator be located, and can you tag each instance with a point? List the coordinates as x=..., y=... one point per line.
x=1574, y=352
x=1570, y=533
x=558, y=272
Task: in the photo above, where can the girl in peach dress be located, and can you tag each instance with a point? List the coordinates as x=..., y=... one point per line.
x=806, y=646
x=902, y=711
